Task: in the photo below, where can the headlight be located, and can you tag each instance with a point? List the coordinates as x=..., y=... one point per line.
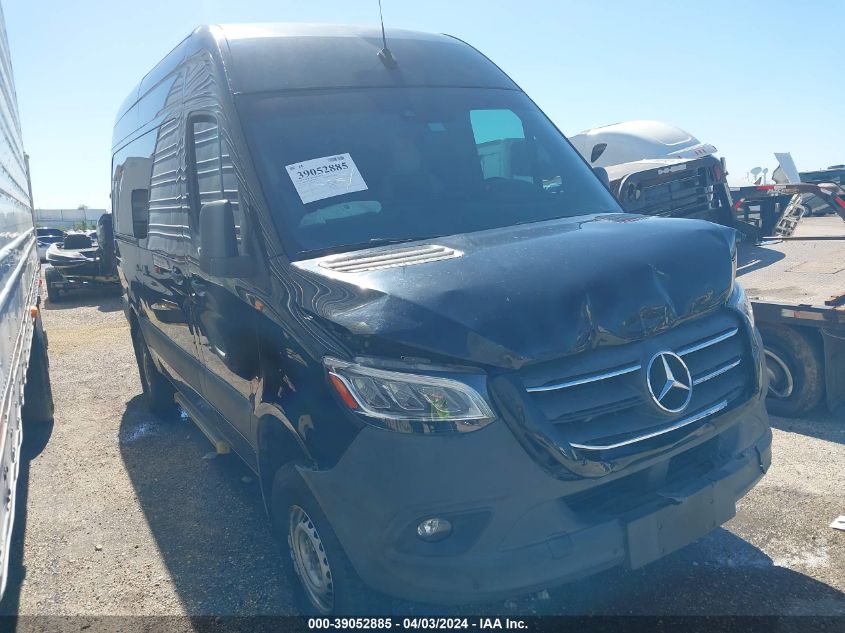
x=443, y=403
x=740, y=301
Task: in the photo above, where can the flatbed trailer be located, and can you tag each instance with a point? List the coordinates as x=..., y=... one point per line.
x=765, y=210
x=797, y=288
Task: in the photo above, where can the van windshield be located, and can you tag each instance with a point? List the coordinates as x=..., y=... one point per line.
x=347, y=169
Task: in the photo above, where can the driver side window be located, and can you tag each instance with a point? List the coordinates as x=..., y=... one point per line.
x=212, y=172
x=205, y=168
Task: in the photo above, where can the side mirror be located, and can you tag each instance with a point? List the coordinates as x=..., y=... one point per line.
x=218, y=251
x=601, y=174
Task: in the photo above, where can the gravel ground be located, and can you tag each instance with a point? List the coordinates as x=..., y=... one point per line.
x=120, y=513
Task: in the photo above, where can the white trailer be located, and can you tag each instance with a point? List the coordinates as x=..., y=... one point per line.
x=25, y=397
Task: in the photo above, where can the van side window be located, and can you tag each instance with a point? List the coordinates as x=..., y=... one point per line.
x=130, y=183
x=212, y=171
x=140, y=212
x=205, y=168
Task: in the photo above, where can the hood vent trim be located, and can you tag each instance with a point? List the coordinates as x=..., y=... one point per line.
x=408, y=256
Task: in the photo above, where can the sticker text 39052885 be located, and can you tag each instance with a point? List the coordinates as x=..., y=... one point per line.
x=325, y=177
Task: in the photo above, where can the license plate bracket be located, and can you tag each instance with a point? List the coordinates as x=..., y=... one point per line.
x=674, y=525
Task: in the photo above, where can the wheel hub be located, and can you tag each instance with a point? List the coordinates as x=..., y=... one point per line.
x=310, y=560
x=781, y=382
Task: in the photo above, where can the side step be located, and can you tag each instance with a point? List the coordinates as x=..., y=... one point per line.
x=220, y=445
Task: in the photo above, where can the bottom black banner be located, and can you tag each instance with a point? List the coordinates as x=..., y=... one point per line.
x=303, y=624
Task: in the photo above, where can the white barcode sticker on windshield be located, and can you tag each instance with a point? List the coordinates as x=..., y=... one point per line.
x=325, y=177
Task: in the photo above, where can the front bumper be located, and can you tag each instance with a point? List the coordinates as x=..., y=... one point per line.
x=517, y=528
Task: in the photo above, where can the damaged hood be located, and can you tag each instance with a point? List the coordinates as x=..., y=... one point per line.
x=509, y=296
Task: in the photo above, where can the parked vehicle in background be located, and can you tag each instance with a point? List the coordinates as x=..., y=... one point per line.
x=459, y=370
x=24, y=365
x=45, y=237
x=833, y=174
x=82, y=259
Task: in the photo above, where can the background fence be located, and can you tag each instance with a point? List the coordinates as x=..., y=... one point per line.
x=68, y=218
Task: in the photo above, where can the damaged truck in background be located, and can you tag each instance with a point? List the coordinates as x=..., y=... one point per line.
x=458, y=368
x=656, y=168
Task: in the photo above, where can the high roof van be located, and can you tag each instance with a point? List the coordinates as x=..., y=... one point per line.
x=386, y=281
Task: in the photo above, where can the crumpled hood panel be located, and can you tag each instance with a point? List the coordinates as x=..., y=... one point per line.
x=533, y=292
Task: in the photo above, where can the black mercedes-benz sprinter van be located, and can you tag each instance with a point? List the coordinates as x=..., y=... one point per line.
x=391, y=286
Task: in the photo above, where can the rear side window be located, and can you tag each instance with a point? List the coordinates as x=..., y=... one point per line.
x=133, y=168
x=140, y=212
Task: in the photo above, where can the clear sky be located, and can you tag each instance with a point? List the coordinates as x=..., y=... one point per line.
x=751, y=77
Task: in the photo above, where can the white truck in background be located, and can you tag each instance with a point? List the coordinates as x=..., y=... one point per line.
x=656, y=168
x=26, y=397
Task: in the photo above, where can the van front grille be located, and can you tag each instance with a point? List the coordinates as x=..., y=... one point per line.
x=599, y=401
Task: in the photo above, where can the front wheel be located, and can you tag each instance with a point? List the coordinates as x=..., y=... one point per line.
x=38, y=393
x=796, y=371
x=317, y=566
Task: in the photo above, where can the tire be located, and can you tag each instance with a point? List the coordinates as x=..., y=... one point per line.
x=38, y=405
x=157, y=388
x=796, y=371
x=330, y=585
x=52, y=275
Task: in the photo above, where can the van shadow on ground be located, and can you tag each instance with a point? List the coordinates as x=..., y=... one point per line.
x=820, y=424
x=753, y=258
x=211, y=529
x=206, y=516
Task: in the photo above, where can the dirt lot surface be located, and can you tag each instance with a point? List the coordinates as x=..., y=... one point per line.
x=120, y=513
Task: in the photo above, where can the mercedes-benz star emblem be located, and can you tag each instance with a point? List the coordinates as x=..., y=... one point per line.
x=669, y=382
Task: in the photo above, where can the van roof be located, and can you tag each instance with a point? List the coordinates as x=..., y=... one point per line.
x=300, y=56
x=284, y=56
